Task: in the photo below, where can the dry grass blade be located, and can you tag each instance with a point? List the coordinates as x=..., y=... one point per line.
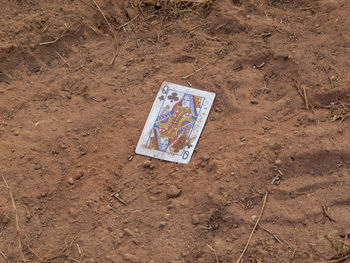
x=336, y=260
x=16, y=219
x=303, y=94
x=61, y=254
x=186, y=77
x=325, y=213
x=191, y=1
x=3, y=254
x=256, y=224
x=62, y=34
x=112, y=31
x=123, y=25
x=35, y=254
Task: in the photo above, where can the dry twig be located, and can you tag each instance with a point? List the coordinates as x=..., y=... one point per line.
x=123, y=25
x=3, y=254
x=216, y=256
x=35, y=254
x=61, y=254
x=61, y=57
x=62, y=35
x=198, y=26
x=79, y=250
x=256, y=224
x=279, y=240
x=112, y=31
x=16, y=219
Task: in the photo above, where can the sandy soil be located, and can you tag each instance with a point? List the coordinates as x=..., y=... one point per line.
x=70, y=121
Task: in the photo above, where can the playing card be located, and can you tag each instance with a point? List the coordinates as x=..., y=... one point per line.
x=175, y=123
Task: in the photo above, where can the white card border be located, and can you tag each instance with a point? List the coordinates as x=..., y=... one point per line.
x=197, y=129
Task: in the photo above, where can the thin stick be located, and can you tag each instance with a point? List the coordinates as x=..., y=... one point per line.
x=256, y=224
x=116, y=196
x=61, y=57
x=16, y=219
x=79, y=250
x=3, y=254
x=35, y=254
x=112, y=31
x=188, y=31
x=62, y=253
x=279, y=240
x=128, y=22
x=305, y=96
x=62, y=35
x=186, y=77
x=216, y=256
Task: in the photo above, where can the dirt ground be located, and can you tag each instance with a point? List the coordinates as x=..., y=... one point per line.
x=70, y=121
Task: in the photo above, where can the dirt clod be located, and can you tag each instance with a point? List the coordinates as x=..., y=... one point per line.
x=148, y=164
x=130, y=258
x=128, y=232
x=173, y=192
x=4, y=219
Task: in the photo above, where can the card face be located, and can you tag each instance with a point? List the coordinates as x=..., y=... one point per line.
x=175, y=123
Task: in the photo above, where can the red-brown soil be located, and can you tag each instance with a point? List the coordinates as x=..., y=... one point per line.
x=69, y=123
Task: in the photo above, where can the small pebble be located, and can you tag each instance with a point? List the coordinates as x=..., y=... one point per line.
x=70, y=180
x=16, y=133
x=162, y=224
x=254, y=102
x=195, y=220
